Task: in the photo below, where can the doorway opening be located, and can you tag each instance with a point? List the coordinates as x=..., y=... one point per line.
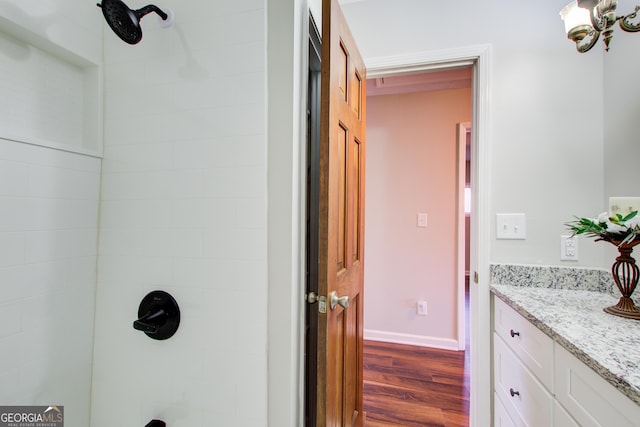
x=479, y=57
x=412, y=174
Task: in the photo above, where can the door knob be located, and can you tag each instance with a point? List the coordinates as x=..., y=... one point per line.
x=334, y=300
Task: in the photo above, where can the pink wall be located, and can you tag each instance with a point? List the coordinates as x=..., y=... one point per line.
x=411, y=168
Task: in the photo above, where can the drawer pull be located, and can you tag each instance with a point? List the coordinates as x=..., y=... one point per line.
x=513, y=392
x=514, y=333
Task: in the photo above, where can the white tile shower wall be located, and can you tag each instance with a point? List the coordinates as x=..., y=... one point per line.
x=184, y=210
x=41, y=97
x=48, y=241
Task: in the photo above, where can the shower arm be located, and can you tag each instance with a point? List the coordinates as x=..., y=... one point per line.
x=148, y=9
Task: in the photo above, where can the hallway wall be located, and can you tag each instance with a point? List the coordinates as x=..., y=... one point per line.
x=411, y=168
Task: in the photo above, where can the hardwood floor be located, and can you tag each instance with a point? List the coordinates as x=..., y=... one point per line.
x=407, y=386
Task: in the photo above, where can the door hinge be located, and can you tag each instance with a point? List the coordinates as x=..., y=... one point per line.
x=313, y=298
x=475, y=277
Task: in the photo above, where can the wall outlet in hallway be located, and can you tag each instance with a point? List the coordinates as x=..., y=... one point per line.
x=421, y=307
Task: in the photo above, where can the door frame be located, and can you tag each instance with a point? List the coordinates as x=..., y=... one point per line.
x=461, y=167
x=480, y=326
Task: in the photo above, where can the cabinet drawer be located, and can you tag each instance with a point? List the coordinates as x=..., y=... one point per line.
x=500, y=415
x=522, y=395
x=591, y=400
x=533, y=347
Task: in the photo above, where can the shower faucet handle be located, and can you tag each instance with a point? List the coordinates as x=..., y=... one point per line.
x=156, y=423
x=158, y=316
x=151, y=321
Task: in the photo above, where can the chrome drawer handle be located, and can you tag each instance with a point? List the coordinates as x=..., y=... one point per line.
x=513, y=392
x=514, y=333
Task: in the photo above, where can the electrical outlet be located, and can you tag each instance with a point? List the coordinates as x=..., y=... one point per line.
x=421, y=307
x=568, y=248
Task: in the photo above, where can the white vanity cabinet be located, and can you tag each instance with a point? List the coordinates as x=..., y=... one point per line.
x=536, y=382
x=522, y=368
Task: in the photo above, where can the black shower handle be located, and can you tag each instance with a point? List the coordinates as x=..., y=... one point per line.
x=158, y=315
x=151, y=321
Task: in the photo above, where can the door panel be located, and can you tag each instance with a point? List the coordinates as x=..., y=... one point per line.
x=355, y=191
x=341, y=224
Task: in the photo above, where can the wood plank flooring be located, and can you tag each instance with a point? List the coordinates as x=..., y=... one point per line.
x=409, y=386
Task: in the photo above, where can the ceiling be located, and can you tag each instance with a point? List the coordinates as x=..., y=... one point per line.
x=425, y=81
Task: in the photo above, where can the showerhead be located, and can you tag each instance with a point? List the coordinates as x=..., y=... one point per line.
x=126, y=22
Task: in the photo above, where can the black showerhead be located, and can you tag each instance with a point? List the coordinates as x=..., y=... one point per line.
x=126, y=22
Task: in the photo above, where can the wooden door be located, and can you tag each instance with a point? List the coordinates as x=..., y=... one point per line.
x=341, y=224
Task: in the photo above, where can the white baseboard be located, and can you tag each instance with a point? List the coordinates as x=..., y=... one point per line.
x=419, y=340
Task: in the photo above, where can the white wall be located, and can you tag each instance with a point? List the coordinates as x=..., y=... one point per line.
x=48, y=208
x=184, y=210
x=546, y=112
x=287, y=41
x=411, y=168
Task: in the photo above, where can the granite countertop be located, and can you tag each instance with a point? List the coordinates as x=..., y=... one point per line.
x=608, y=344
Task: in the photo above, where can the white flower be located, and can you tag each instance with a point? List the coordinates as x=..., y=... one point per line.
x=615, y=228
x=633, y=222
x=603, y=218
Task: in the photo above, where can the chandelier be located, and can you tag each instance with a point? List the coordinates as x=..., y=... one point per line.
x=584, y=20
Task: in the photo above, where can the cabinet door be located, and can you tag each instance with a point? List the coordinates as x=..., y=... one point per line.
x=589, y=399
x=561, y=418
x=523, y=396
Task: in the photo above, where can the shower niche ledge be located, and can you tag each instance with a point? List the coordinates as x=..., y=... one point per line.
x=51, y=96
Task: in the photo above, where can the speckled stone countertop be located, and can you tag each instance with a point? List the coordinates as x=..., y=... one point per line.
x=609, y=344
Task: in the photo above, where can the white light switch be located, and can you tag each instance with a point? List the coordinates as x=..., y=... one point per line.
x=511, y=226
x=422, y=220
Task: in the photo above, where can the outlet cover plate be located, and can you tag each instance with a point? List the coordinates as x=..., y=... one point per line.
x=568, y=248
x=421, y=307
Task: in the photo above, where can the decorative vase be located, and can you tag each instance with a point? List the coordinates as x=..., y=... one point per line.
x=625, y=273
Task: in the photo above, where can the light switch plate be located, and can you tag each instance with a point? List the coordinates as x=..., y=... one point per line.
x=422, y=220
x=511, y=226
